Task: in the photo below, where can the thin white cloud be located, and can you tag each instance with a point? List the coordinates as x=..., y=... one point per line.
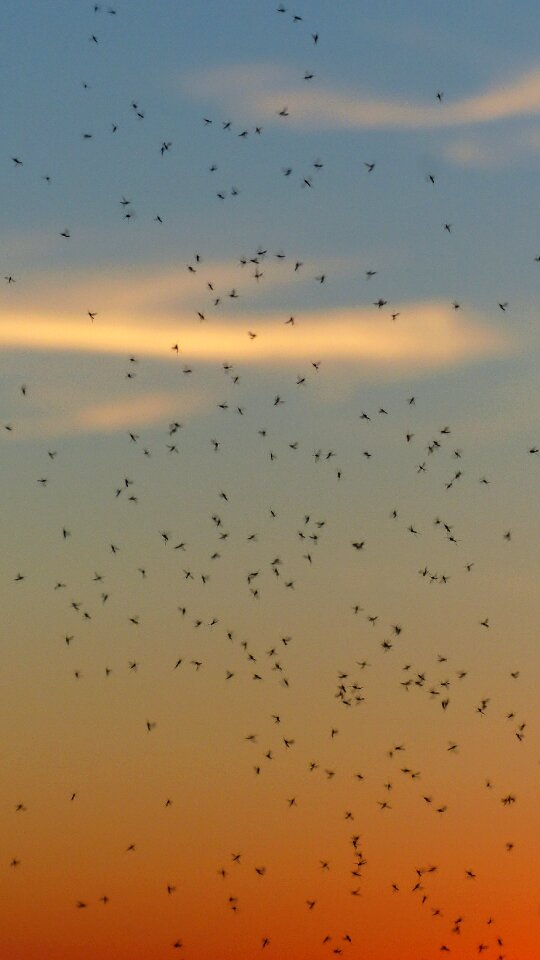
x=260, y=91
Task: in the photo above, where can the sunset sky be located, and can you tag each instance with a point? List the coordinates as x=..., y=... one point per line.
x=270, y=453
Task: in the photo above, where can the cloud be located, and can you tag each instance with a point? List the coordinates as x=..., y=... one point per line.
x=50, y=418
x=485, y=153
x=471, y=153
x=262, y=90
x=143, y=410
x=160, y=290
x=425, y=335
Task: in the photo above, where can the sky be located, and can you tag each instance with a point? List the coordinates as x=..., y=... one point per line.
x=269, y=467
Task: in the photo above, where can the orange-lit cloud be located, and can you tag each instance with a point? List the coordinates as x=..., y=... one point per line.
x=153, y=311
x=262, y=91
x=50, y=418
x=144, y=410
x=426, y=334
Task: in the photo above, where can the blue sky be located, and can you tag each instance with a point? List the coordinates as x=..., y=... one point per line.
x=235, y=64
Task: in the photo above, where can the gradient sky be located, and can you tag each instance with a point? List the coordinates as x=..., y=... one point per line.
x=270, y=550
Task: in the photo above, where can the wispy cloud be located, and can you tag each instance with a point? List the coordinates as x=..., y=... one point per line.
x=131, y=291
x=53, y=418
x=425, y=335
x=483, y=153
x=143, y=410
x=260, y=91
